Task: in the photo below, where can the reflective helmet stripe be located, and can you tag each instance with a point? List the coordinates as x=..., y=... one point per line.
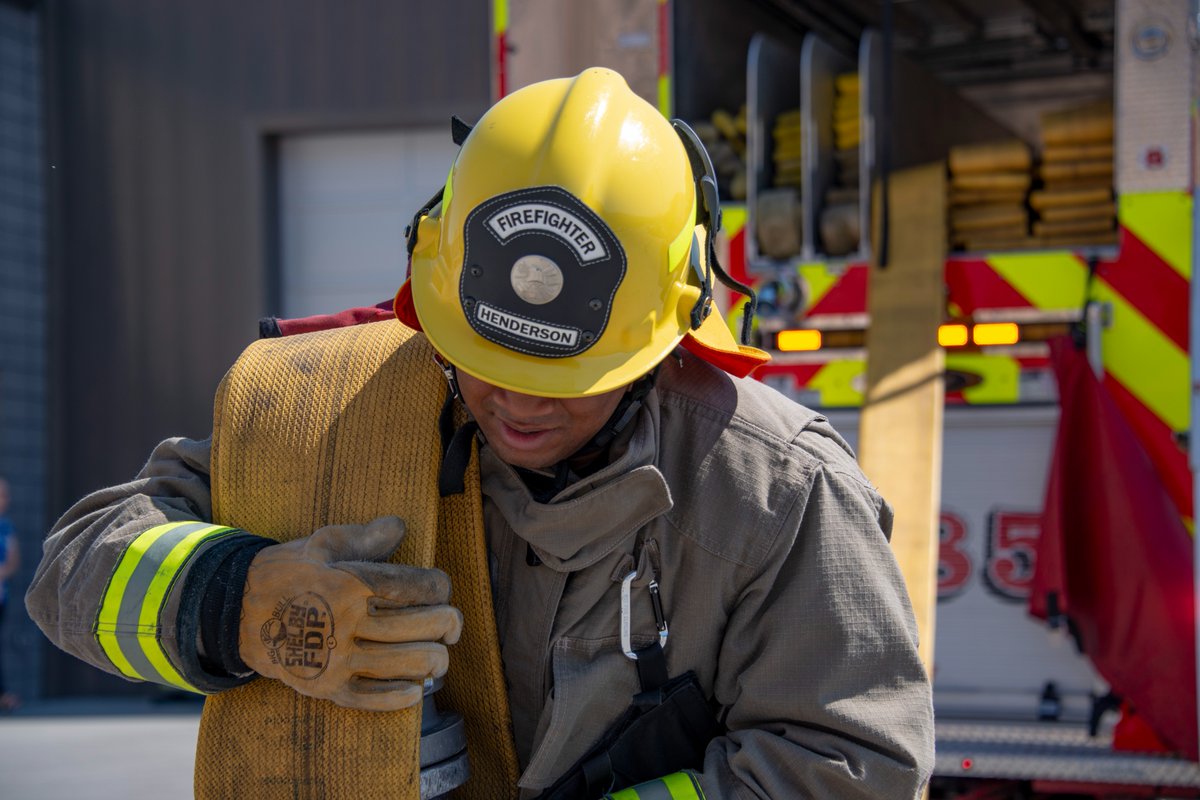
x=677, y=786
x=127, y=626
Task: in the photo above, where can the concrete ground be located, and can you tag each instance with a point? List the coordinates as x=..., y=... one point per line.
x=99, y=749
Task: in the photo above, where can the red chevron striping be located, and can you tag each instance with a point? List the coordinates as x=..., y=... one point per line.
x=847, y=296
x=1151, y=286
x=973, y=284
x=801, y=374
x=1169, y=459
x=737, y=257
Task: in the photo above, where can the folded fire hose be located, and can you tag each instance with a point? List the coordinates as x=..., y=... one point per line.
x=341, y=426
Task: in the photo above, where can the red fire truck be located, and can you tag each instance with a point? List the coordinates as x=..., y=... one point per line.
x=1040, y=690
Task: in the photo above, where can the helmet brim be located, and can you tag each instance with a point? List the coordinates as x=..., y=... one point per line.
x=712, y=341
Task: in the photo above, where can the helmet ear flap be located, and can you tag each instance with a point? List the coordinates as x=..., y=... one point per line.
x=708, y=214
x=459, y=131
x=413, y=227
x=708, y=209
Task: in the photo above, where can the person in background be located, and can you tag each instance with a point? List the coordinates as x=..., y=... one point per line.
x=10, y=562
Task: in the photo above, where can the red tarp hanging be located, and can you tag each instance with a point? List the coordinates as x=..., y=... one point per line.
x=1116, y=559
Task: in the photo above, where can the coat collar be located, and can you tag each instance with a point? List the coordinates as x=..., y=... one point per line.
x=593, y=516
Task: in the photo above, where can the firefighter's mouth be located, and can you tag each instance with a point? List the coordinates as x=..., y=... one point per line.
x=525, y=430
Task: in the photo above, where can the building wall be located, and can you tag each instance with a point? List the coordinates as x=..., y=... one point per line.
x=22, y=325
x=163, y=123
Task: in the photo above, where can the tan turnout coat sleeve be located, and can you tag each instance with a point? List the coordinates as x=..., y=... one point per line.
x=83, y=549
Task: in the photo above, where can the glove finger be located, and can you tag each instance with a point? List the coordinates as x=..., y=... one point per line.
x=373, y=542
x=372, y=694
x=399, y=585
x=410, y=661
x=425, y=624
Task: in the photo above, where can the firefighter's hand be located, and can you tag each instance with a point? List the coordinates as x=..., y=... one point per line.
x=323, y=615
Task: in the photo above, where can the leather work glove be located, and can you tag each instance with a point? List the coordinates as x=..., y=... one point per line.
x=323, y=615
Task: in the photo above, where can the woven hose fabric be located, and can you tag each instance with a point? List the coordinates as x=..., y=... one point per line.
x=332, y=427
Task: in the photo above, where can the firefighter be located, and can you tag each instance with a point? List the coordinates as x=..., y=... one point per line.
x=564, y=279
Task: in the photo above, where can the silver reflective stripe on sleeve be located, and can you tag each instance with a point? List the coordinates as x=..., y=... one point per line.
x=127, y=626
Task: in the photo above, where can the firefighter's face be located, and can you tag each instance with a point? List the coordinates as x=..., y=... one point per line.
x=535, y=432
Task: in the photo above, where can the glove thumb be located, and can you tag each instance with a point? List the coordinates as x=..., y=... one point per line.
x=373, y=542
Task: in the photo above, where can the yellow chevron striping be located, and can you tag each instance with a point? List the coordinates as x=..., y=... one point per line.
x=1135, y=351
x=819, y=281
x=1145, y=361
x=733, y=317
x=1049, y=280
x=1163, y=220
x=1001, y=377
x=841, y=383
x=733, y=219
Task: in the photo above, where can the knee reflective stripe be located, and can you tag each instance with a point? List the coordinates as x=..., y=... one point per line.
x=127, y=626
x=679, y=786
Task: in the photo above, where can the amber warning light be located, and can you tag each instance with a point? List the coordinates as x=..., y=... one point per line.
x=986, y=333
x=983, y=334
x=954, y=335
x=798, y=340
x=951, y=334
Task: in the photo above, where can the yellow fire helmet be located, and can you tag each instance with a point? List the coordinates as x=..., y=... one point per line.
x=559, y=261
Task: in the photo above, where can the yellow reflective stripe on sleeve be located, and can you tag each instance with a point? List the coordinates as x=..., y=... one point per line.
x=678, y=786
x=127, y=626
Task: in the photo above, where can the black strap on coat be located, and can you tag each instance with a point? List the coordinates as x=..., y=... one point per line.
x=665, y=729
x=456, y=449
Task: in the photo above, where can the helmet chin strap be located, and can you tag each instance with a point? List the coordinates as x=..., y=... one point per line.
x=624, y=413
x=590, y=457
x=456, y=452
